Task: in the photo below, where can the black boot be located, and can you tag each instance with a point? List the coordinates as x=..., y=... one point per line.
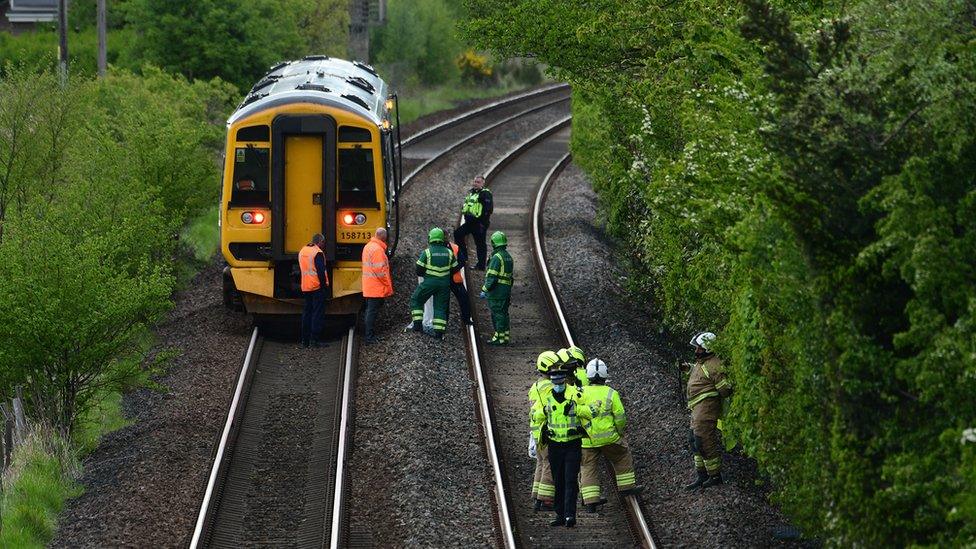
x=570, y=522
x=418, y=326
x=713, y=480
x=559, y=521
x=591, y=508
x=702, y=477
x=538, y=506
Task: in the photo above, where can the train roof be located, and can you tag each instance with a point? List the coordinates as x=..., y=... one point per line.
x=347, y=85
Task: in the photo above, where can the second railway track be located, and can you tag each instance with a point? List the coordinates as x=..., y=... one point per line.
x=519, y=182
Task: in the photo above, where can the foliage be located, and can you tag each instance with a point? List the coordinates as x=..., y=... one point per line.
x=96, y=178
x=475, y=68
x=417, y=42
x=35, y=489
x=800, y=176
x=38, y=50
x=236, y=41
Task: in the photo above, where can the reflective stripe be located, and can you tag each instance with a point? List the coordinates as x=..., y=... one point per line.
x=699, y=462
x=374, y=275
x=723, y=383
x=700, y=397
x=374, y=264
x=705, y=371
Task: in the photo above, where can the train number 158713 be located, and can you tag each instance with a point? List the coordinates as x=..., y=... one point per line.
x=355, y=235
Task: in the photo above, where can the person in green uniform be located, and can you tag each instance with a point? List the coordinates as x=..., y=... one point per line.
x=497, y=288
x=436, y=264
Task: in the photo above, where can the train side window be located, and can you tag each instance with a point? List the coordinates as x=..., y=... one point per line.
x=357, y=185
x=252, y=169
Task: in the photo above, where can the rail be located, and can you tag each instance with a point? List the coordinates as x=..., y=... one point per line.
x=636, y=517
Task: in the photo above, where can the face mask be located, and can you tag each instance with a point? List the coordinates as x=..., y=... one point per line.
x=559, y=388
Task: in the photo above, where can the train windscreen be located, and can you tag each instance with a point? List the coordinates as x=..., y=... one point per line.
x=251, y=176
x=357, y=186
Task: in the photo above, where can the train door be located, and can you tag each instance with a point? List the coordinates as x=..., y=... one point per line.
x=303, y=195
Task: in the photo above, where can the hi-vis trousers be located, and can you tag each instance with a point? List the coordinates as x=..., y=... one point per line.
x=542, y=486
x=618, y=454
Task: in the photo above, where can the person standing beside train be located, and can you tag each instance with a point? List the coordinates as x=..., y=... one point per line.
x=311, y=261
x=436, y=265
x=377, y=281
x=476, y=211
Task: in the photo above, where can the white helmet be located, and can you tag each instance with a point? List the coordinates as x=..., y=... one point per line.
x=703, y=340
x=596, y=367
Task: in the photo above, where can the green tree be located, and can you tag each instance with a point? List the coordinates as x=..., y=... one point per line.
x=418, y=39
x=99, y=180
x=236, y=41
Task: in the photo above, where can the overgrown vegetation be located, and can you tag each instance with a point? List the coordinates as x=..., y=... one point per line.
x=35, y=489
x=800, y=176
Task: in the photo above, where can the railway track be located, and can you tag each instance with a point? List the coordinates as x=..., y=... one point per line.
x=286, y=434
x=278, y=476
x=519, y=182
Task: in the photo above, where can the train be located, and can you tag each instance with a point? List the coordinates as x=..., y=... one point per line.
x=312, y=148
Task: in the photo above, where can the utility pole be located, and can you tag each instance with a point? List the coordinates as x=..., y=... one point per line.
x=63, y=43
x=102, y=42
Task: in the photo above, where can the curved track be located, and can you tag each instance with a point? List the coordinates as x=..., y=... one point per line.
x=519, y=182
x=272, y=483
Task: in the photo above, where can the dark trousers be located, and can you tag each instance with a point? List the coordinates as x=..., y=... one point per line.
x=461, y=294
x=476, y=230
x=373, y=305
x=312, y=316
x=564, y=460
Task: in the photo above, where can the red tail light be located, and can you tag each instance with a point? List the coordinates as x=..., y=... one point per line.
x=353, y=218
x=253, y=218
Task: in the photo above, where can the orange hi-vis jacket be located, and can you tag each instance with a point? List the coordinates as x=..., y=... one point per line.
x=306, y=261
x=457, y=276
x=377, y=281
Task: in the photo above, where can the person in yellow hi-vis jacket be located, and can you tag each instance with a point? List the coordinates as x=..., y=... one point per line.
x=708, y=387
x=555, y=423
x=543, y=489
x=604, y=421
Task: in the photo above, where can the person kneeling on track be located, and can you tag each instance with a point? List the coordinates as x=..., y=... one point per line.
x=604, y=420
x=542, y=488
x=436, y=264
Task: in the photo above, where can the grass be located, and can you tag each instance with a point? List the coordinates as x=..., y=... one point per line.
x=201, y=234
x=418, y=103
x=35, y=489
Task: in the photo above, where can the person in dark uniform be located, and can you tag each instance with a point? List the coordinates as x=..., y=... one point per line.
x=476, y=210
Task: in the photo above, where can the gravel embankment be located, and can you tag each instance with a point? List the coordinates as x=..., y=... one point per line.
x=419, y=476
x=641, y=359
x=143, y=484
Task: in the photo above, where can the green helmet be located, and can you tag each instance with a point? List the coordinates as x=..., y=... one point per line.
x=436, y=235
x=498, y=238
x=546, y=360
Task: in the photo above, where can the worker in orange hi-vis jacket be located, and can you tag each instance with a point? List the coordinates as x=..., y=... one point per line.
x=377, y=280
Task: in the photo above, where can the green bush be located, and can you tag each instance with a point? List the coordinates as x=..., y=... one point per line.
x=803, y=184
x=98, y=179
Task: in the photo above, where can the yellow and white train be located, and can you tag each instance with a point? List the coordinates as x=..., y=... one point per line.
x=311, y=149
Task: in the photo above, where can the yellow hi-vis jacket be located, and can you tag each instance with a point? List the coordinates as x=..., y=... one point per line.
x=558, y=419
x=603, y=419
x=539, y=390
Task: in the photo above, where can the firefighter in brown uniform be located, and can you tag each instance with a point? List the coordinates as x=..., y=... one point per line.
x=707, y=387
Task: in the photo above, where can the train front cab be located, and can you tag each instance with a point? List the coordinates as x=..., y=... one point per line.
x=289, y=173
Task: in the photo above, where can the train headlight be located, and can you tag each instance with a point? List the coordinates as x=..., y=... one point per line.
x=348, y=219
x=253, y=218
x=360, y=219
x=389, y=104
